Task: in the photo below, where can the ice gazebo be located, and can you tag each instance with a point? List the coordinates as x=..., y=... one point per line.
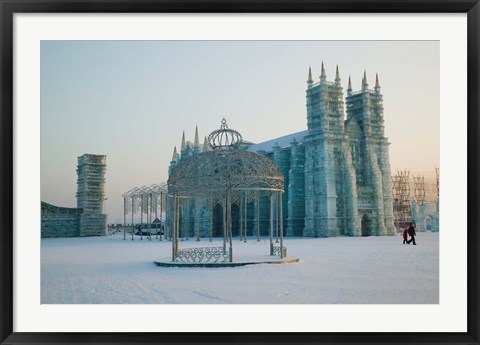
x=215, y=180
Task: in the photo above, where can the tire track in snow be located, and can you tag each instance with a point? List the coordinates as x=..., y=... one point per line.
x=210, y=297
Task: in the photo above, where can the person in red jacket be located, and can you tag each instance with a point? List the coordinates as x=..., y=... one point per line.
x=411, y=232
x=405, y=236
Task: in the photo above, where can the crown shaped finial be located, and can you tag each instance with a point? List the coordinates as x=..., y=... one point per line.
x=224, y=138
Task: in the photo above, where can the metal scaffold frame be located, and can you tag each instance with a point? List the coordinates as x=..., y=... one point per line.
x=148, y=200
x=419, y=189
x=401, y=196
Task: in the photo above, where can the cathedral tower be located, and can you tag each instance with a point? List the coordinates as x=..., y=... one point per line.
x=324, y=158
x=370, y=156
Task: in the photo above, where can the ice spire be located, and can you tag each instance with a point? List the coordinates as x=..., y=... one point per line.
x=349, y=90
x=205, y=145
x=323, y=76
x=294, y=142
x=174, y=157
x=337, y=77
x=196, y=142
x=364, y=80
x=377, y=84
x=310, y=79
x=184, y=145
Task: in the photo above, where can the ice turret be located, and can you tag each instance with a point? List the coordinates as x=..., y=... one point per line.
x=349, y=90
x=310, y=79
x=196, y=142
x=174, y=161
x=323, y=76
x=364, y=81
x=184, y=144
x=174, y=156
x=205, y=145
x=377, y=85
x=337, y=77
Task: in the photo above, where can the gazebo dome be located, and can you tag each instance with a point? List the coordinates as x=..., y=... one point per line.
x=217, y=171
x=224, y=169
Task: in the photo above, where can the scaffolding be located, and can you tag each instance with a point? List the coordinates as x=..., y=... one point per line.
x=402, y=209
x=419, y=189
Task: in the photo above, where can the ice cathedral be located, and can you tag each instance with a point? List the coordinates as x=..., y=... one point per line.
x=336, y=172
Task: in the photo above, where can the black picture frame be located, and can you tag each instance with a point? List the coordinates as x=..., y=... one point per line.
x=8, y=8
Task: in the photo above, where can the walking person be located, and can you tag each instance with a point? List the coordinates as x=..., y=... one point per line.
x=411, y=233
x=405, y=235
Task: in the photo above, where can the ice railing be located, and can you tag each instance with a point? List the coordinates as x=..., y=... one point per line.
x=362, y=91
x=325, y=83
x=276, y=250
x=203, y=254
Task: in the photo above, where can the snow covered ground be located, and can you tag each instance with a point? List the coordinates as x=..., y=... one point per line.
x=346, y=270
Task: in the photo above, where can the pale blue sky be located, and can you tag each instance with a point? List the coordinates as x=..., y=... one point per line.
x=131, y=100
